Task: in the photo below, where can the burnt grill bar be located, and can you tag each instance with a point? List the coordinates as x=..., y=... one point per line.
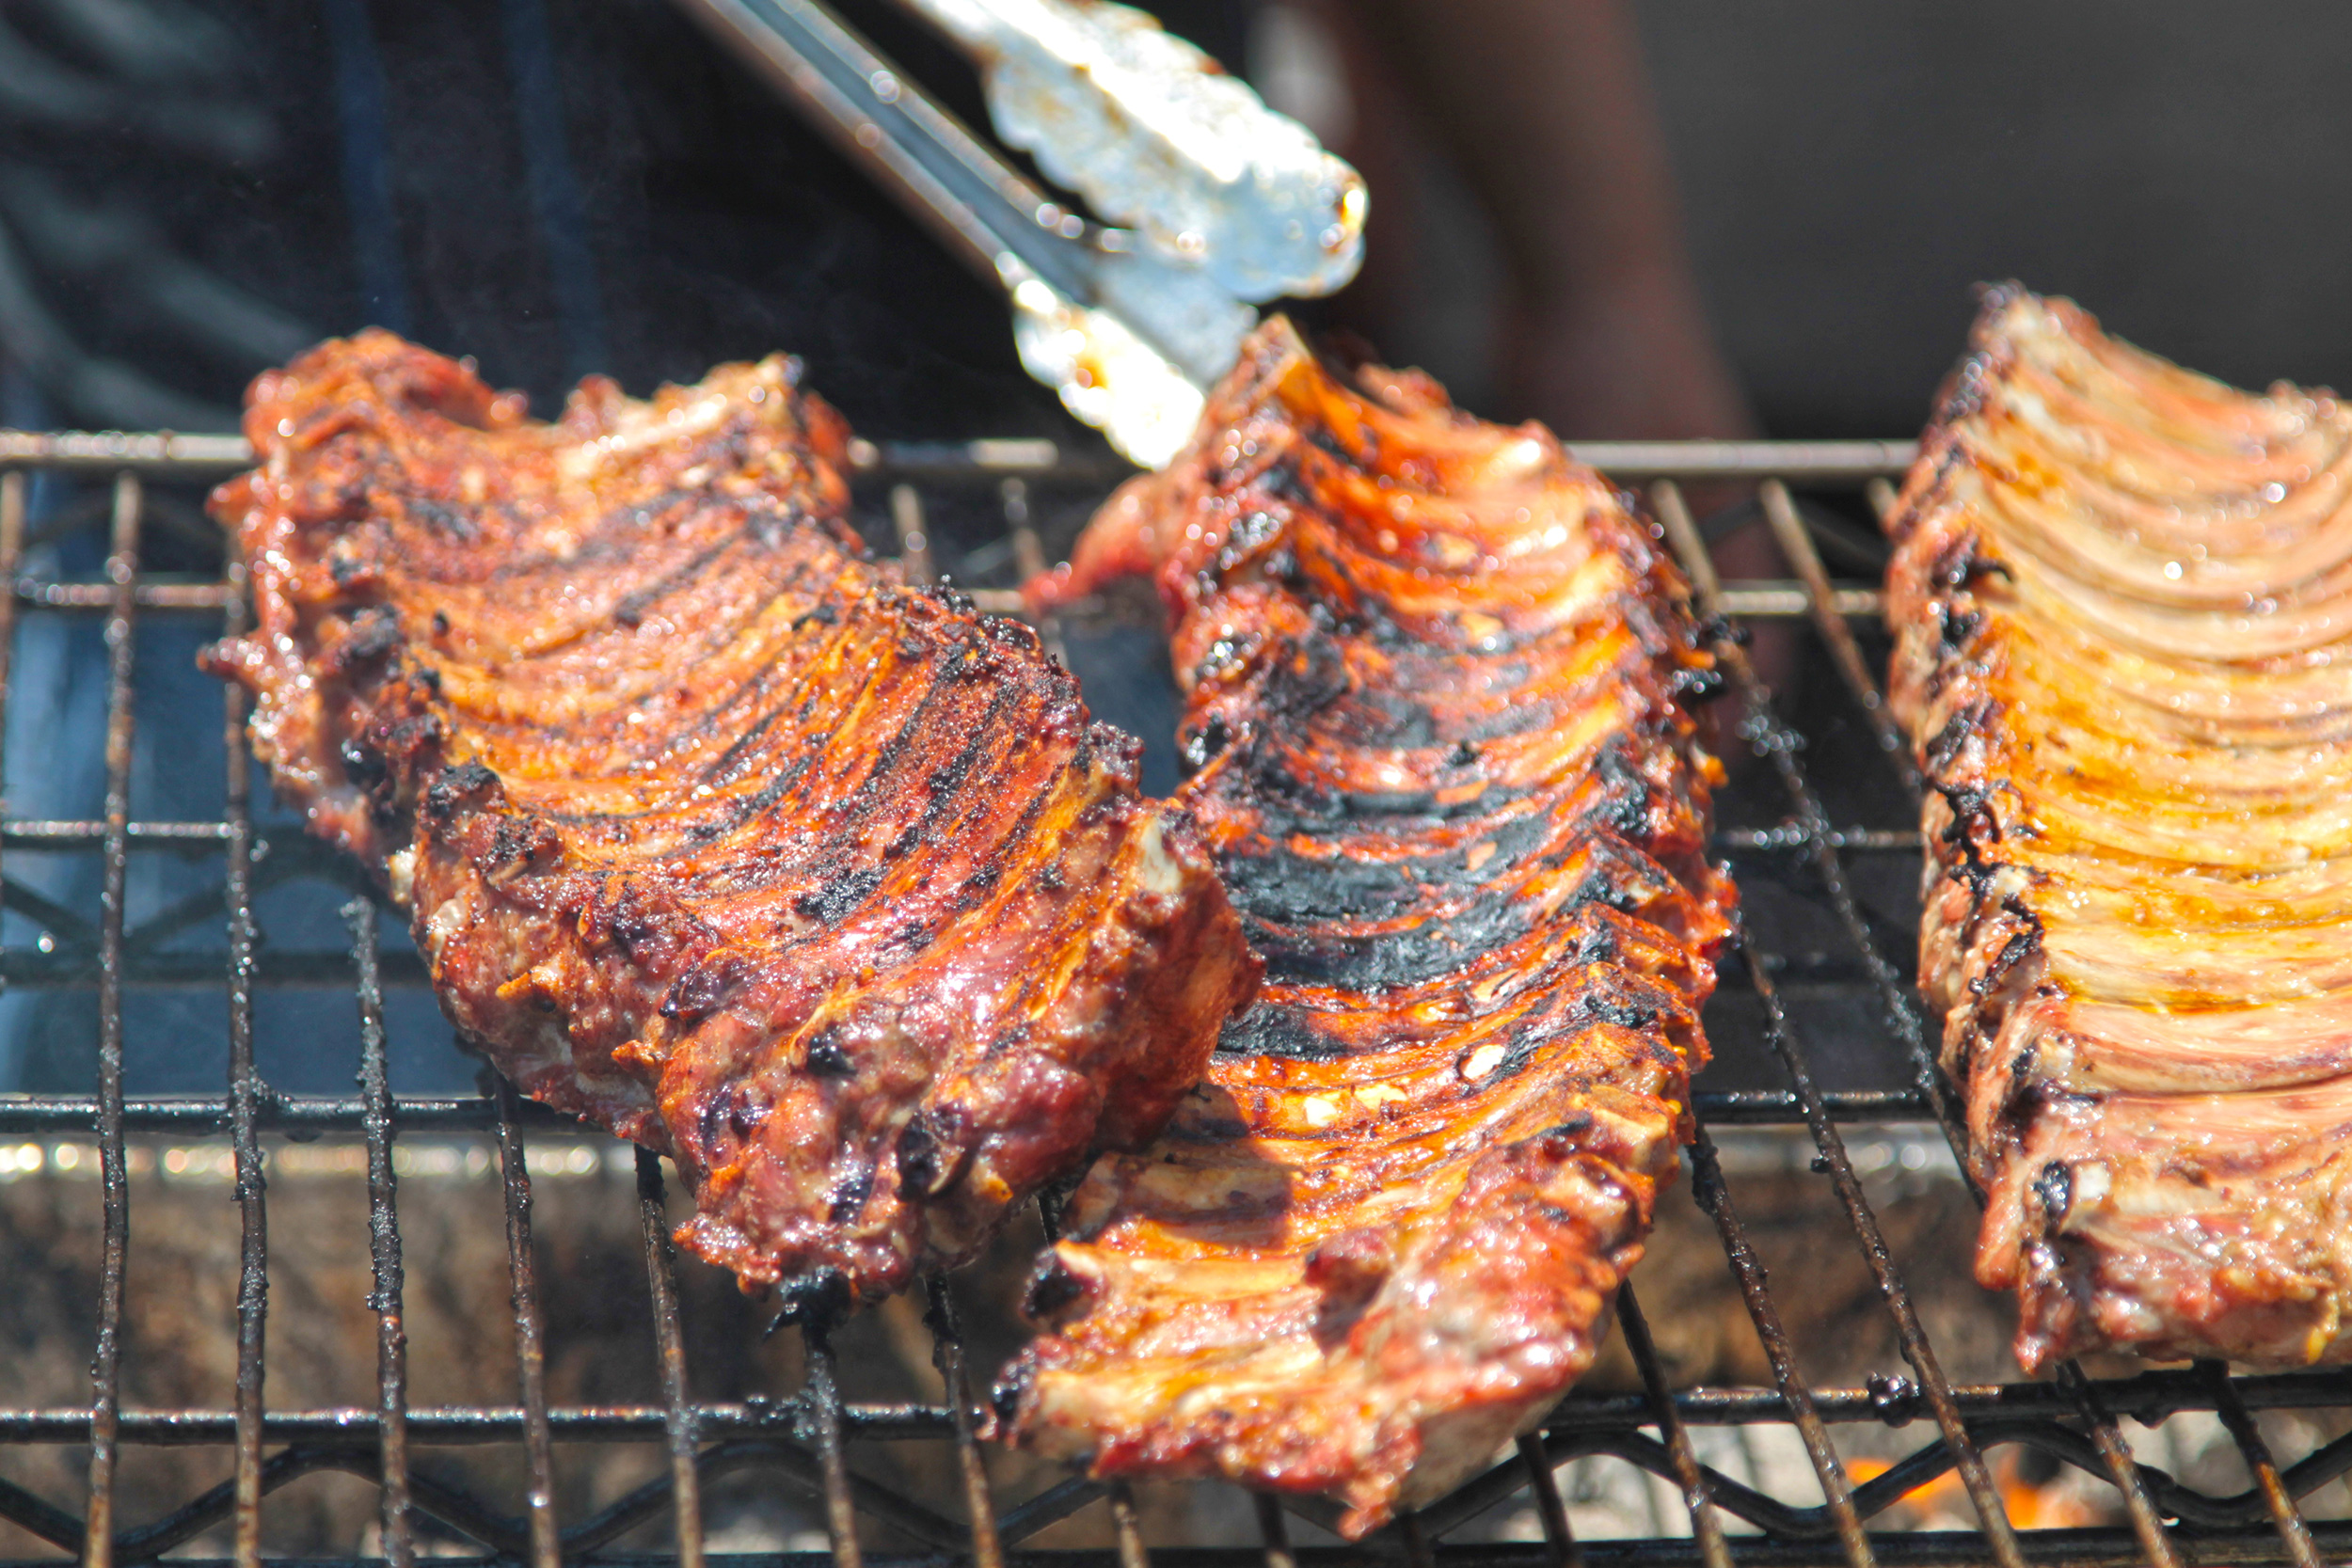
x=12, y=485
x=2149, y=1398
x=824, y=1416
x=955, y=1381
x=1709, y=1190
x=678, y=1420
x=2275, y=1498
x=391, y=1336
x=245, y=1091
x=2114, y=1453
x=1797, y=548
x=531, y=1359
x=1543, y=1486
x=122, y=567
x=1697, y=1498
x=804, y=1440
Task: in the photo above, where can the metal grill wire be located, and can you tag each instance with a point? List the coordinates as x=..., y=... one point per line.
x=2073, y=1419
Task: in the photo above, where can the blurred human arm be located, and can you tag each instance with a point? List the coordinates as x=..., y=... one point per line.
x=1546, y=110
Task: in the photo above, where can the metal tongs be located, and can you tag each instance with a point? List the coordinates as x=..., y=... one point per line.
x=1214, y=202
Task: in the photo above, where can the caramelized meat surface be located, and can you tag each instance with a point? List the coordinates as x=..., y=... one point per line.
x=1437, y=678
x=2122, y=604
x=712, y=830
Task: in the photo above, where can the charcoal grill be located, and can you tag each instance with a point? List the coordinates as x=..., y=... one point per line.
x=2073, y=1419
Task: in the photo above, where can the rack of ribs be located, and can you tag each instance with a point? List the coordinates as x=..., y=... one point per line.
x=2122, y=604
x=713, y=830
x=1437, y=680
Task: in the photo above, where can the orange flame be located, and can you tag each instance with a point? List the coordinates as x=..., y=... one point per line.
x=2030, y=1506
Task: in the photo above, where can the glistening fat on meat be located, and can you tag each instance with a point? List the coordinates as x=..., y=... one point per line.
x=713, y=830
x=2123, y=603
x=1438, y=685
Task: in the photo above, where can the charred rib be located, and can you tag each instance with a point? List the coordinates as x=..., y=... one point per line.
x=1432, y=671
x=713, y=832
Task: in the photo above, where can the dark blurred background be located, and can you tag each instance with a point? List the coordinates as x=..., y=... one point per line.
x=190, y=190
x=1659, y=217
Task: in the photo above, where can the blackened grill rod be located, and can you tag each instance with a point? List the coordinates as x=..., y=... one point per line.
x=1765, y=732
x=824, y=1414
x=208, y=598
x=1549, y=1509
x=955, y=1378
x=531, y=1358
x=26, y=832
x=11, y=559
x=1912, y=1336
x=1709, y=1191
x=245, y=1092
x=2148, y=1397
x=1796, y=544
x=1926, y=1070
x=678, y=1416
x=12, y=487
x=1048, y=1508
x=1705, y=1527
x=2284, y=1514
x=384, y=1251
x=122, y=570
x=2115, y=1450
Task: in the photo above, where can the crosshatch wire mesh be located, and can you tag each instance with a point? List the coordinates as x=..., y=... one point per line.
x=1818, y=998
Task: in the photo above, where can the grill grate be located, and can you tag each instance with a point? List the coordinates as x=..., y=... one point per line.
x=2073, y=1420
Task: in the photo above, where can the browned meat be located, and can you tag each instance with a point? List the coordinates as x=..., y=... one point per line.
x=1437, y=680
x=712, y=830
x=2122, y=600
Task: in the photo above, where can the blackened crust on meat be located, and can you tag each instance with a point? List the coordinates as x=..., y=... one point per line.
x=2120, y=599
x=1436, y=673
x=711, y=831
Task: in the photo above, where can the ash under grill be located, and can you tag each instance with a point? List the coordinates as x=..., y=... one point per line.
x=1819, y=1036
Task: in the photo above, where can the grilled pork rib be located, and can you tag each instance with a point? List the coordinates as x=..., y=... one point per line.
x=1436, y=678
x=713, y=832
x=2122, y=605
